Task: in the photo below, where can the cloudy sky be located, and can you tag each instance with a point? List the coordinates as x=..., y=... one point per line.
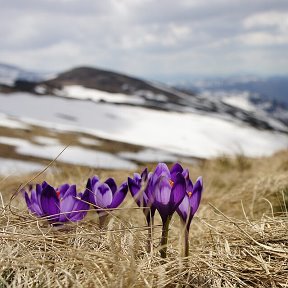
x=154, y=39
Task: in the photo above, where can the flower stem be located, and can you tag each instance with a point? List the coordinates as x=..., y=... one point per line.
x=102, y=220
x=150, y=224
x=164, y=238
x=186, y=243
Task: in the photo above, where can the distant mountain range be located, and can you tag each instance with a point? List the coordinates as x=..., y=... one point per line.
x=9, y=74
x=80, y=82
x=273, y=88
x=183, y=120
x=250, y=93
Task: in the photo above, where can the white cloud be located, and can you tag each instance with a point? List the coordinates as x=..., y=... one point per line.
x=263, y=39
x=144, y=37
x=265, y=29
x=278, y=20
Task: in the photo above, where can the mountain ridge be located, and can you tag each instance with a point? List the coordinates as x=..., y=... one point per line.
x=148, y=94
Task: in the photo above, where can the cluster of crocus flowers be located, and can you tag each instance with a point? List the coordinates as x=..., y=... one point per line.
x=163, y=190
x=58, y=205
x=167, y=191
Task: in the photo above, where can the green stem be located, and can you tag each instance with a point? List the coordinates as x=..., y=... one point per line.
x=102, y=220
x=186, y=243
x=164, y=238
x=149, y=240
x=150, y=224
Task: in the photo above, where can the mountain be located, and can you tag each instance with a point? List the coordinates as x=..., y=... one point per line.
x=107, y=86
x=273, y=88
x=267, y=95
x=9, y=74
x=126, y=109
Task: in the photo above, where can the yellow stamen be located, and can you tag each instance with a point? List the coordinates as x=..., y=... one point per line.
x=189, y=194
x=171, y=183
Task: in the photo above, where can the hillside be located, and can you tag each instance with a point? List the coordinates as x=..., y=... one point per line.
x=101, y=85
x=111, y=120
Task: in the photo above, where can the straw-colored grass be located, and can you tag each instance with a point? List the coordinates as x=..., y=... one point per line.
x=238, y=239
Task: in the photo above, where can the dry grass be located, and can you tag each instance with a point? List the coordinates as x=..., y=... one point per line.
x=238, y=239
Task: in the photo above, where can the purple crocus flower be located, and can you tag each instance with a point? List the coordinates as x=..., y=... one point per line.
x=57, y=205
x=105, y=195
x=168, y=189
x=191, y=201
x=189, y=205
x=142, y=195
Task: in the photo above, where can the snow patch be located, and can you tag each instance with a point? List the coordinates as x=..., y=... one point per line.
x=80, y=92
x=149, y=155
x=12, y=141
x=72, y=154
x=6, y=121
x=89, y=141
x=240, y=101
x=12, y=166
x=42, y=140
x=77, y=156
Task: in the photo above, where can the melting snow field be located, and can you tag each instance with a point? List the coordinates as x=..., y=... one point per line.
x=11, y=166
x=180, y=133
x=149, y=155
x=73, y=154
x=11, y=123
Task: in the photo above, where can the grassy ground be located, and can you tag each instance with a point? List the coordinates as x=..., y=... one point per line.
x=238, y=239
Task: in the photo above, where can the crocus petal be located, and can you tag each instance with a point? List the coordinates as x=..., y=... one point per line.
x=91, y=182
x=137, y=178
x=176, y=168
x=185, y=173
x=44, y=184
x=94, y=180
x=161, y=170
x=184, y=208
x=67, y=203
x=28, y=202
x=81, y=207
x=162, y=191
x=103, y=196
x=39, y=192
x=178, y=191
x=133, y=186
x=189, y=185
x=196, y=195
x=111, y=183
x=119, y=196
x=144, y=174
x=34, y=198
x=62, y=189
x=36, y=206
x=50, y=203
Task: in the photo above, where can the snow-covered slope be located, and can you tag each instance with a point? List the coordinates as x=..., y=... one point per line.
x=191, y=134
x=153, y=115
